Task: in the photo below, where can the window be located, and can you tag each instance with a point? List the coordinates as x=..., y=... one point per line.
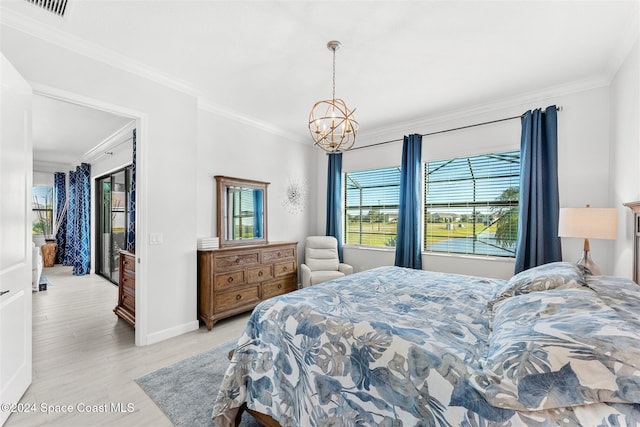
x=371, y=207
x=42, y=207
x=471, y=204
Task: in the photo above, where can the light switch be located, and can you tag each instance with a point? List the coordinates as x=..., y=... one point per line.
x=155, y=238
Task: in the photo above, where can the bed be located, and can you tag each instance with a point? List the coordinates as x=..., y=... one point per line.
x=391, y=346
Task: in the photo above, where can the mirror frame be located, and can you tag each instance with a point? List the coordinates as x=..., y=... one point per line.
x=222, y=183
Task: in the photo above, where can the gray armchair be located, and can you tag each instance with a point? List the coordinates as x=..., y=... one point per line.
x=321, y=262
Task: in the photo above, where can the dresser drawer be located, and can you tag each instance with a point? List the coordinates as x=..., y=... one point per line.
x=260, y=274
x=277, y=254
x=237, y=260
x=232, y=299
x=128, y=281
x=278, y=287
x=229, y=280
x=128, y=264
x=129, y=301
x=284, y=268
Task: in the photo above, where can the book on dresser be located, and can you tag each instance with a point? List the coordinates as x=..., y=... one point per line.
x=126, y=308
x=233, y=280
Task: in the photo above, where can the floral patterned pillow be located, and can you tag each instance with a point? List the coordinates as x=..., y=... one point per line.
x=554, y=275
x=557, y=349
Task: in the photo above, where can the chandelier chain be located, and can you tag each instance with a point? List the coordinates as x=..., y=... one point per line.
x=334, y=74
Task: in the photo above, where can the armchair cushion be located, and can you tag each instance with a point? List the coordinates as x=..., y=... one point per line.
x=321, y=261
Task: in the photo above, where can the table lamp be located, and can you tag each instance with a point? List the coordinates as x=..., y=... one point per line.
x=588, y=223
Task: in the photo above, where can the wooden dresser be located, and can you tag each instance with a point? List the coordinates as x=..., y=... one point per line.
x=235, y=279
x=126, y=308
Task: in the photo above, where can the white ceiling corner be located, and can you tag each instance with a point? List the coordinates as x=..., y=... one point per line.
x=402, y=63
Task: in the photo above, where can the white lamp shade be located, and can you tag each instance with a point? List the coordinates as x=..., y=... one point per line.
x=588, y=223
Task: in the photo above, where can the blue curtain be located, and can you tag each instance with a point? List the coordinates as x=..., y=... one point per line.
x=71, y=221
x=408, y=249
x=60, y=189
x=131, y=215
x=82, y=236
x=334, y=199
x=539, y=206
x=258, y=196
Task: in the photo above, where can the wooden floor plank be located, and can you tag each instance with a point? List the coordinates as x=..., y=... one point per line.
x=84, y=355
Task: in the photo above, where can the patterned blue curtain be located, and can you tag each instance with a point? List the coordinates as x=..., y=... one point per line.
x=82, y=237
x=334, y=199
x=131, y=221
x=408, y=248
x=539, y=206
x=71, y=221
x=258, y=197
x=60, y=190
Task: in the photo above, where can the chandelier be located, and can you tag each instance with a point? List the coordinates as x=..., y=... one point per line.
x=331, y=123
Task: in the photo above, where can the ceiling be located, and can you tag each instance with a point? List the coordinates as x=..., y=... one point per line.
x=63, y=132
x=267, y=62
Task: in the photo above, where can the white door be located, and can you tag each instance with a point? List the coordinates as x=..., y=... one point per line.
x=16, y=176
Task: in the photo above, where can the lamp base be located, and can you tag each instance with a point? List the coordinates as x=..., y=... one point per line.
x=586, y=261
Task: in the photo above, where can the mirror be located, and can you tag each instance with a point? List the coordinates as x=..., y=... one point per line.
x=242, y=211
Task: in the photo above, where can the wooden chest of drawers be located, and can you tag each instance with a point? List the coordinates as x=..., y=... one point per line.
x=235, y=280
x=126, y=308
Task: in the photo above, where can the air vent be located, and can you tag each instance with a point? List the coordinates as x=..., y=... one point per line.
x=54, y=6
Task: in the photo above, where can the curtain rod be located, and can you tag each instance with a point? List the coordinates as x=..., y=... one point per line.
x=447, y=130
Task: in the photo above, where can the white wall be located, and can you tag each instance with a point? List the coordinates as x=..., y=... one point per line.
x=230, y=148
x=625, y=157
x=583, y=156
x=167, y=197
x=174, y=135
x=44, y=179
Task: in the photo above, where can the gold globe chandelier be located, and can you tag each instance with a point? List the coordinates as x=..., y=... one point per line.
x=331, y=123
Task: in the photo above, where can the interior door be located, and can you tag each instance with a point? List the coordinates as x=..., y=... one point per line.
x=16, y=176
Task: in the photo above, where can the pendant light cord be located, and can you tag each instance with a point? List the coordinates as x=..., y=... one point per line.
x=334, y=75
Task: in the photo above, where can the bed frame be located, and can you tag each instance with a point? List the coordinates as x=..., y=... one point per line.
x=265, y=419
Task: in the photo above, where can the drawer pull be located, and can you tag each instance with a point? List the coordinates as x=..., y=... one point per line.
x=279, y=285
x=230, y=279
x=260, y=273
x=284, y=268
x=125, y=280
x=279, y=255
x=238, y=297
x=237, y=260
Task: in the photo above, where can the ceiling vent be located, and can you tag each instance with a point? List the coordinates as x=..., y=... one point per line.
x=56, y=7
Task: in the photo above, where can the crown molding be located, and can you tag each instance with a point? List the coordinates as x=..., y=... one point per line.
x=211, y=107
x=99, y=53
x=522, y=101
x=40, y=166
x=109, y=144
x=91, y=50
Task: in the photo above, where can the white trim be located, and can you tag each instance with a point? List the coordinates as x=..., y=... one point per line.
x=412, y=126
x=142, y=204
x=213, y=108
x=172, y=332
x=91, y=50
x=141, y=123
x=99, y=53
x=109, y=143
x=52, y=167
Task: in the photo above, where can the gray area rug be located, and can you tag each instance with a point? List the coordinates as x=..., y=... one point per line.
x=186, y=390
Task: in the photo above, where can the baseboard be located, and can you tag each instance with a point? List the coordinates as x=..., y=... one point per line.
x=172, y=332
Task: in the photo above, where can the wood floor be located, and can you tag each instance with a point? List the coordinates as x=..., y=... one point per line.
x=84, y=357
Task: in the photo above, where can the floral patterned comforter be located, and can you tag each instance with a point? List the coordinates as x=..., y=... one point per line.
x=401, y=347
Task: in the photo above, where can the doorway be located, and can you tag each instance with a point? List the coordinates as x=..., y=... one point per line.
x=112, y=211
